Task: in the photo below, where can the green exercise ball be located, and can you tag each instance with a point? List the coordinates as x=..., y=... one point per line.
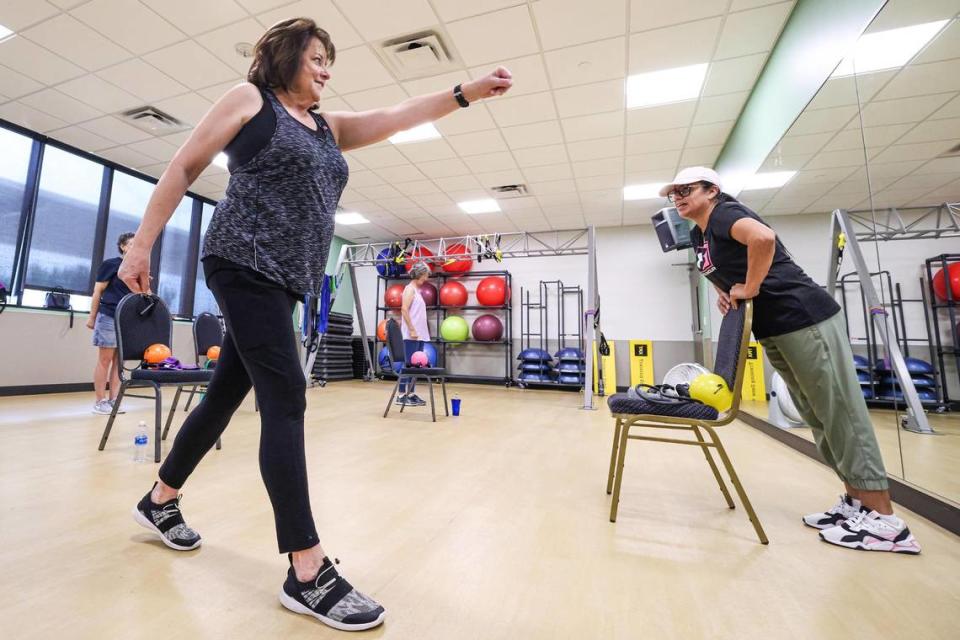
x=454, y=329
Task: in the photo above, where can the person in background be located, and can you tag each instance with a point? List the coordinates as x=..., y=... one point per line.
x=107, y=293
x=414, y=329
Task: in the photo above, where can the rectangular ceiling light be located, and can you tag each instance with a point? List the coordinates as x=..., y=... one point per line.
x=665, y=86
x=768, y=180
x=349, y=217
x=5, y=33
x=479, y=206
x=642, y=191
x=417, y=134
x=888, y=49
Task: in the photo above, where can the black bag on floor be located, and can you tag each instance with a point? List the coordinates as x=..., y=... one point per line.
x=58, y=298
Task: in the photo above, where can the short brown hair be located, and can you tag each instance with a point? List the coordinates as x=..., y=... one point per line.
x=123, y=239
x=276, y=56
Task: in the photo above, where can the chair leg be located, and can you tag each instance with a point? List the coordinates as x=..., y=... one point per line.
x=390, y=401
x=446, y=405
x=621, y=455
x=713, y=467
x=256, y=403
x=193, y=390
x=613, y=454
x=158, y=411
x=433, y=409
x=113, y=416
x=219, y=446
x=173, y=407
x=736, y=485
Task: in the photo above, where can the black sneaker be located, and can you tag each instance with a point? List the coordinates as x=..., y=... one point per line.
x=401, y=400
x=331, y=599
x=166, y=521
x=416, y=400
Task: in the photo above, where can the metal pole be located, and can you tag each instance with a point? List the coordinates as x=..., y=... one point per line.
x=916, y=419
x=593, y=295
x=363, y=327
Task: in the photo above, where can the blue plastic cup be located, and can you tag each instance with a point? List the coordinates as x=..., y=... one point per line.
x=455, y=406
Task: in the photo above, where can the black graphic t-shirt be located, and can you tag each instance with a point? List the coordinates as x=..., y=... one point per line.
x=116, y=288
x=789, y=299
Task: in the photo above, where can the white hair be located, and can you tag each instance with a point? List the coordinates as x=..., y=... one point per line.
x=419, y=269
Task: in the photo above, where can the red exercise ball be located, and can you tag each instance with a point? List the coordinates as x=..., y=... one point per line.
x=940, y=285
x=429, y=294
x=487, y=328
x=418, y=254
x=453, y=294
x=458, y=265
x=493, y=292
x=393, y=296
x=382, y=330
x=157, y=353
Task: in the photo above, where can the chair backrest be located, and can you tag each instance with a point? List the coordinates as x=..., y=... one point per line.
x=207, y=332
x=141, y=320
x=730, y=362
x=395, y=343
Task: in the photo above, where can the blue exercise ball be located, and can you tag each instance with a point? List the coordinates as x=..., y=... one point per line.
x=431, y=352
x=386, y=266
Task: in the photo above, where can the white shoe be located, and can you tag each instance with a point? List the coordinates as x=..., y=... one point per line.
x=103, y=407
x=872, y=532
x=113, y=402
x=843, y=510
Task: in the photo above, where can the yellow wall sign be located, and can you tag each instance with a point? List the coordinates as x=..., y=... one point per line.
x=609, y=371
x=641, y=362
x=753, y=385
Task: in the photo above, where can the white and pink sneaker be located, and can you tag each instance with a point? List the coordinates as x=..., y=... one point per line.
x=872, y=532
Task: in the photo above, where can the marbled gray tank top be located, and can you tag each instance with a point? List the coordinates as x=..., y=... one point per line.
x=277, y=216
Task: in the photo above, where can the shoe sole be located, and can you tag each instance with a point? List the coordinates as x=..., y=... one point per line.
x=296, y=607
x=149, y=526
x=819, y=527
x=884, y=545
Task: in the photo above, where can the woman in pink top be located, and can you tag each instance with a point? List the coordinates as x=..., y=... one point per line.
x=413, y=327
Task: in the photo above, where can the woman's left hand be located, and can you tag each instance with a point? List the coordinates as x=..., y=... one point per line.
x=739, y=291
x=495, y=83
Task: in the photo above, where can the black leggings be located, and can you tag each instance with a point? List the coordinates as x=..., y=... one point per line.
x=259, y=348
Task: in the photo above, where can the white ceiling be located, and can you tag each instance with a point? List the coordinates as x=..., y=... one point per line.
x=562, y=130
x=910, y=116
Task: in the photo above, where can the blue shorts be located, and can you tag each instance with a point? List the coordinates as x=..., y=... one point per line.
x=104, y=332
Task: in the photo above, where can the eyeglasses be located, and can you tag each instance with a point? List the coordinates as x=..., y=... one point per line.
x=681, y=191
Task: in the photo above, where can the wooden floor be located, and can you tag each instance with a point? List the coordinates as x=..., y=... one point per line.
x=487, y=526
x=930, y=462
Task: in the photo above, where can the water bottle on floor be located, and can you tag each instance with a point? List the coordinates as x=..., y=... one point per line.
x=140, y=441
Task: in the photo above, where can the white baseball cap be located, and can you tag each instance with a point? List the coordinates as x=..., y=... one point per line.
x=691, y=175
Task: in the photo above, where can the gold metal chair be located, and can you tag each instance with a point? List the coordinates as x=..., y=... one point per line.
x=633, y=413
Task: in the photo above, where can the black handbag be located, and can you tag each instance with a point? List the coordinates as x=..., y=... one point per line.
x=58, y=298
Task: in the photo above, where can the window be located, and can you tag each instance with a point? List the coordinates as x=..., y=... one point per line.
x=174, y=269
x=202, y=298
x=128, y=203
x=65, y=222
x=14, y=163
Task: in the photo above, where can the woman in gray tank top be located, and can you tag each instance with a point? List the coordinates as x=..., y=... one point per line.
x=266, y=246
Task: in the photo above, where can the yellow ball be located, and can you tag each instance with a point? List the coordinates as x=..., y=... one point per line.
x=712, y=390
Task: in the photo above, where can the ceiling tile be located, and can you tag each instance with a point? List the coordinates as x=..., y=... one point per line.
x=155, y=148
x=595, y=149
x=16, y=84
x=600, y=125
x=358, y=69
x=934, y=130
x=550, y=172
x=60, y=105
x=488, y=162
x=142, y=80
x=33, y=61
x=129, y=24
x=946, y=46
x=586, y=63
x=376, y=20
x=920, y=79
x=652, y=161
x=652, y=14
x=830, y=159
x=99, y=94
x=600, y=182
x=471, y=144
x=474, y=118
x=427, y=151
x=591, y=98
x=325, y=14
x=386, y=96
x=719, y=108
x=540, y=156
x=753, y=31
x=443, y=168
x=736, y=74
x=492, y=179
x=822, y=120
x=666, y=140
x=126, y=157
x=529, y=74
x=562, y=23
x=850, y=90
x=113, y=129
x=28, y=117
x=656, y=50
x=193, y=17
x=222, y=42
x=533, y=135
x=81, y=138
x=400, y=173
x=553, y=187
x=191, y=64
x=875, y=136
x=380, y=156
x=524, y=109
x=949, y=110
x=670, y=116
x=458, y=183
x=915, y=151
x=363, y=178
x=189, y=107
x=605, y=167
x=898, y=13
x=450, y=10
x=70, y=38
x=794, y=145
x=432, y=84
x=417, y=187
x=709, y=134
x=913, y=109
x=17, y=15
x=514, y=36
x=700, y=156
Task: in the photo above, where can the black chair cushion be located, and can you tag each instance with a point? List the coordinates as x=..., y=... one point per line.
x=172, y=376
x=622, y=403
x=423, y=371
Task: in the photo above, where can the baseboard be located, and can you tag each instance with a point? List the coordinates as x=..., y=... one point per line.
x=34, y=389
x=928, y=506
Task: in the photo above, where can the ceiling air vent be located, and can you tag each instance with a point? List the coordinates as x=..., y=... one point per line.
x=951, y=152
x=153, y=120
x=417, y=55
x=510, y=191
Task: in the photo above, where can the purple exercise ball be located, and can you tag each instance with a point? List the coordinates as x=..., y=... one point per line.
x=429, y=294
x=487, y=328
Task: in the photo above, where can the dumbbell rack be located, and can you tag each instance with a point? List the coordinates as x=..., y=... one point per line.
x=439, y=313
x=952, y=308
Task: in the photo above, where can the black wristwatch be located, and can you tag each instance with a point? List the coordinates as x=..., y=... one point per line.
x=458, y=94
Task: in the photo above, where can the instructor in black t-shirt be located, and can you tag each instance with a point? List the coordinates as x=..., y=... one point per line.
x=107, y=293
x=805, y=337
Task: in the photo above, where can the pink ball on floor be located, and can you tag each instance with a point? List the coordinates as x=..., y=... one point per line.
x=419, y=359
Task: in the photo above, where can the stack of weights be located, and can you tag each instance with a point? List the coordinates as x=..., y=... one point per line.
x=921, y=372
x=536, y=365
x=335, y=353
x=359, y=360
x=571, y=367
x=862, y=366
